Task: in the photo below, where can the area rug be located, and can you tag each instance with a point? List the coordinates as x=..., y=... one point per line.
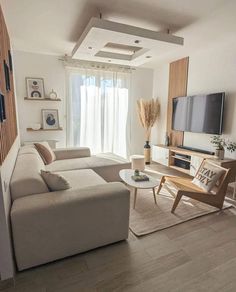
x=147, y=217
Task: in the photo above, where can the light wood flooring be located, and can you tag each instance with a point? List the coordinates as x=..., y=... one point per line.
x=199, y=255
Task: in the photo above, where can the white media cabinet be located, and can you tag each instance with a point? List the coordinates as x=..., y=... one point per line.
x=169, y=155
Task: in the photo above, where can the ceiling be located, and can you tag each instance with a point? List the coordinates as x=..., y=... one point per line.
x=54, y=26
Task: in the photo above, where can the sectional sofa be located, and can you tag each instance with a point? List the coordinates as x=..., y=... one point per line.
x=47, y=226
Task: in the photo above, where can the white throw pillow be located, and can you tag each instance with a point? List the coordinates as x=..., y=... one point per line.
x=55, y=181
x=207, y=177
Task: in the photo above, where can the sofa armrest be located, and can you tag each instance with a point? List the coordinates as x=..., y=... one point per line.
x=63, y=223
x=70, y=153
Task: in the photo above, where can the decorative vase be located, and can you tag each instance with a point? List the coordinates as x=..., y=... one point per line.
x=147, y=153
x=220, y=153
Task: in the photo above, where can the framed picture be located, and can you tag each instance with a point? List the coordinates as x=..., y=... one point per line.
x=50, y=119
x=2, y=109
x=35, y=87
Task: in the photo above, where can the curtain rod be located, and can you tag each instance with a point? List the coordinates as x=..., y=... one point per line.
x=69, y=62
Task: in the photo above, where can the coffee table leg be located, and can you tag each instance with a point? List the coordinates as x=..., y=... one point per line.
x=154, y=195
x=135, y=197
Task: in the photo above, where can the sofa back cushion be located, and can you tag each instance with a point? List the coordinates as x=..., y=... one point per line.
x=26, y=178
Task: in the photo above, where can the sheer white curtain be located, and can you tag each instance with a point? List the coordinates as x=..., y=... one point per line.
x=98, y=110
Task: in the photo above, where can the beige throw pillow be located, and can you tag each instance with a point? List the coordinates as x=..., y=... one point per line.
x=55, y=181
x=45, y=152
x=207, y=177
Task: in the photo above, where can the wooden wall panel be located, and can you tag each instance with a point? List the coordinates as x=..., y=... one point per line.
x=178, y=79
x=8, y=127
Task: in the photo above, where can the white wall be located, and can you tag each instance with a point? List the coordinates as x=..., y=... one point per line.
x=52, y=70
x=160, y=91
x=211, y=70
x=141, y=87
x=214, y=70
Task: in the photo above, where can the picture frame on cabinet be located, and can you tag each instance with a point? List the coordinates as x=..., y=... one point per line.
x=50, y=119
x=35, y=87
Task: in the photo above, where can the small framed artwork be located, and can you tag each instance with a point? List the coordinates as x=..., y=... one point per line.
x=35, y=87
x=50, y=119
x=2, y=109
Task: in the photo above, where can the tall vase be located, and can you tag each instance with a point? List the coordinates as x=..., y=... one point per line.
x=147, y=153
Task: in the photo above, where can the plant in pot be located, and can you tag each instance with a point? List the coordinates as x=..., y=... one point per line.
x=220, y=144
x=148, y=111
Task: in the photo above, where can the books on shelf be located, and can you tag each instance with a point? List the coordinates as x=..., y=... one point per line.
x=141, y=177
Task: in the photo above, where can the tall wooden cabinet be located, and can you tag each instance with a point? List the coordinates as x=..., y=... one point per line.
x=8, y=123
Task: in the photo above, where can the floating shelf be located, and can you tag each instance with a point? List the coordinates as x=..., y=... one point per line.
x=31, y=130
x=41, y=99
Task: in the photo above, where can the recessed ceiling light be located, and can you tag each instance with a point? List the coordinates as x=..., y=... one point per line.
x=137, y=41
x=109, y=60
x=90, y=48
x=148, y=57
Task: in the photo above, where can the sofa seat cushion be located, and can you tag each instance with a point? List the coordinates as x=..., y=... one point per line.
x=106, y=165
x=82, y=178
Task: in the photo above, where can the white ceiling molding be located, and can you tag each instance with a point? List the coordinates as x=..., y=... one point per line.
x=108, y=41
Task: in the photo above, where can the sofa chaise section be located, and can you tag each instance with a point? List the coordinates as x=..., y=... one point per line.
x=55, y=225
x=47, y=226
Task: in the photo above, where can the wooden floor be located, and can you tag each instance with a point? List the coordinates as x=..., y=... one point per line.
x=199, y=255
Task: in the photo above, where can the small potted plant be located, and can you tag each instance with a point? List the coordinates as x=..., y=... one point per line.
x=220, y=144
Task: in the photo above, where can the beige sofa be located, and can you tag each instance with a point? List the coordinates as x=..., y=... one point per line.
x=47, y=226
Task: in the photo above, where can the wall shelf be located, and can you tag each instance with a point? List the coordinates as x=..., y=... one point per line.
x=40, y=130
x=41, y=99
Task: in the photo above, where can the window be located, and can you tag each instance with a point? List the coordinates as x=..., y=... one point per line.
x=98, y=110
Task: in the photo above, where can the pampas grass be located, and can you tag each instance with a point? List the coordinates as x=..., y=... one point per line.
x=148, y=111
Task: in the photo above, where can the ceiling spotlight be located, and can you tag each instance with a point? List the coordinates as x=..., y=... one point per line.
x=137, y=41
x=90, y=48
x=109, y=60
x=148, y=57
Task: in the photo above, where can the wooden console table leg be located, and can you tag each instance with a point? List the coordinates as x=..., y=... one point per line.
x=154, y=195
x=135, y=197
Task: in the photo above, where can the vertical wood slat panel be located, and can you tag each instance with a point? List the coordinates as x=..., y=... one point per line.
x=178, y=80
x=8, y=128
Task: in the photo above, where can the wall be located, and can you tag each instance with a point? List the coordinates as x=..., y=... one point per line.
x=141, y=87
x=160, y=91
x=52, y=70
x=211, y=70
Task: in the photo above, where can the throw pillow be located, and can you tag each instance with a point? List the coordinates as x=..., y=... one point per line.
x=207, y=177
x=45, y=152
x=55, y=181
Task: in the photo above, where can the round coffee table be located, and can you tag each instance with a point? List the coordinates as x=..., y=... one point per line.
x=126, y=176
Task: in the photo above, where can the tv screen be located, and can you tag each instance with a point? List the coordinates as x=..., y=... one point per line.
x=199, y=113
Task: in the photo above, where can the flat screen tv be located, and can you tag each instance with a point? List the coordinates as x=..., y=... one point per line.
x=199, y=113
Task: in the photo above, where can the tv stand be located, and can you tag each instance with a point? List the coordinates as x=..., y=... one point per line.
x=196, y=150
